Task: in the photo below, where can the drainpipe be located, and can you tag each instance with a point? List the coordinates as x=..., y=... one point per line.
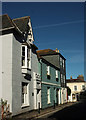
x=41, y=76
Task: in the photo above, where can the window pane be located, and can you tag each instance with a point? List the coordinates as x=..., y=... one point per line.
x=23, y=61
x=23, y=48
x=75, y=88
x=23, y=53
x=24, y=93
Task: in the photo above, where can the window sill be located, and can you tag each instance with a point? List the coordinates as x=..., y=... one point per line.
x=23, y=67
x=25, y=105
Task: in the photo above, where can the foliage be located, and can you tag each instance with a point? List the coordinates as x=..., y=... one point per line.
x=3, y=102
x=68, y=91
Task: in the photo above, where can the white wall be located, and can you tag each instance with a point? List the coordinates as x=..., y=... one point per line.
x=7, y=69
x=63, y=95
x=79, y=89
x=36, y=70
x=11, y=76
x=0, y=67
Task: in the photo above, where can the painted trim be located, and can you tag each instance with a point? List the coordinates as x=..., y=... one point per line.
x=50, y=83
x=6, y=28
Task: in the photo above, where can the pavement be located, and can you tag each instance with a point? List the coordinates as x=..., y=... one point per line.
x=33, y=115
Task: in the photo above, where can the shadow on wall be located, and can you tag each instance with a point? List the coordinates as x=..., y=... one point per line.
x=82, y=95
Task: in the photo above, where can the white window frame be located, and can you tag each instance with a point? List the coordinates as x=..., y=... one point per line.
x=82, y=87
x=48, y=70
x=26, y=57
x=63, y=63
x=26, y=95
x=57, y=74
x=64, y=78
x=48, y=95
x=76, y=87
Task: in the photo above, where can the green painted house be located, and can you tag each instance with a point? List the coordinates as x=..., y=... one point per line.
x=50, y=81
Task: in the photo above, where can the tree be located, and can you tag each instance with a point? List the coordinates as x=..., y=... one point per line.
x=68, y=91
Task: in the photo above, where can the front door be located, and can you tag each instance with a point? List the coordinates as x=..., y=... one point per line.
x=38, y=98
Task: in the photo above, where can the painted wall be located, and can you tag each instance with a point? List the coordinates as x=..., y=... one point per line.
x=6, y=70
x=12, y=76
x=17, y=79
x=35, y=70
x=79, y=89
x=52, y=84
x=1, y=67
x=63, y=95
x=52, y=74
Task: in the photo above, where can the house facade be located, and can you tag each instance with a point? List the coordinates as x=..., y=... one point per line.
x=57, y=76
x=17, y=66
x=62, y=62
x=50, y=84
x=29, y=79
x=76, y=85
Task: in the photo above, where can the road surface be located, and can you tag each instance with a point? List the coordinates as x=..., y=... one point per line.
x=74, y=112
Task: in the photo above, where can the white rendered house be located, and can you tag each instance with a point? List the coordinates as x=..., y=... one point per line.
x=16, y=63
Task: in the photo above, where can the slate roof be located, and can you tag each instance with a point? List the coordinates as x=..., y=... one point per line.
x=46, y=52
x=49, y=55
x=6, y=22
x=22, y=23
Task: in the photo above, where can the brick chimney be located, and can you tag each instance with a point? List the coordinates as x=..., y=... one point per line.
x=81, y=77
x=57, y=50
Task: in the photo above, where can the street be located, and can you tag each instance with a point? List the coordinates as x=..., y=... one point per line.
x=74, y=112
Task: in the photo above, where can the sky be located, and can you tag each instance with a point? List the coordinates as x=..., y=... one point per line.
x=55, y=25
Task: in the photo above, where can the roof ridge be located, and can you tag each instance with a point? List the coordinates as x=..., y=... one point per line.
x=4, y=14
x=21, y=17
x=10, y=20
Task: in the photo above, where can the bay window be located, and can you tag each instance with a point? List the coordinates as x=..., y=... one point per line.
x=25, y=57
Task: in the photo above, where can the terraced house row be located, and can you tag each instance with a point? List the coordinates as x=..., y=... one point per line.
x=29, y=78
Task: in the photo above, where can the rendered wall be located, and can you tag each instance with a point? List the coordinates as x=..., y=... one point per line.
x=52, y=83
x=7, y=69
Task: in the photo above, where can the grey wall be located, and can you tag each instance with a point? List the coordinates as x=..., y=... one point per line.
x=34, y=69
x=11, y=75
x=18, y=78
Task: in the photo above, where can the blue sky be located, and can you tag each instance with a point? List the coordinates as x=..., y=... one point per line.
x=55, y=25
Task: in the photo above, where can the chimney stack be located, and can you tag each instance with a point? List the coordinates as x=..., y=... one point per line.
x=57, y=50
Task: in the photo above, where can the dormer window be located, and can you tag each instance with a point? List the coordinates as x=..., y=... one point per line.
x=25, y=56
